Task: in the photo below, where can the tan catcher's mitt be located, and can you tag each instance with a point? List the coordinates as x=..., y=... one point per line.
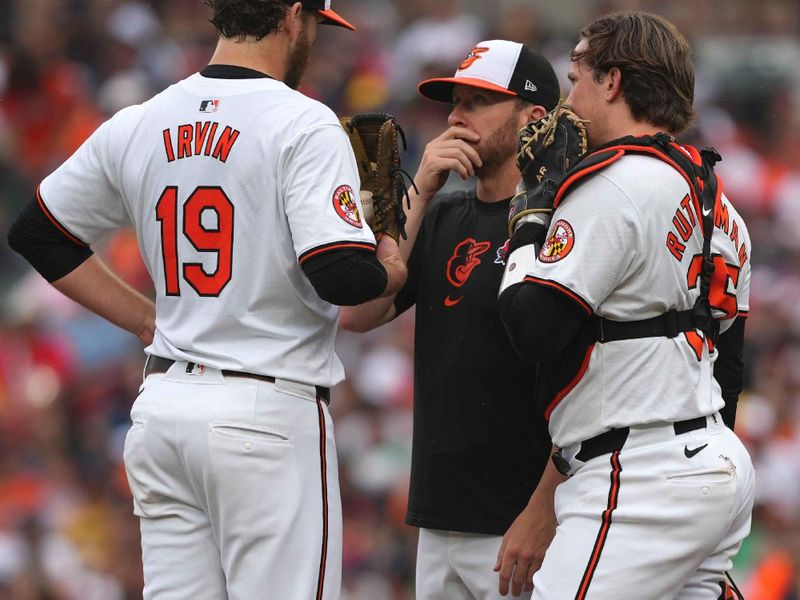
x=548, y=149
x=374, y=138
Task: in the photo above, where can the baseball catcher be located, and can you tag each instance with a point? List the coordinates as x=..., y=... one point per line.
x=374, y=138
x=548, y=149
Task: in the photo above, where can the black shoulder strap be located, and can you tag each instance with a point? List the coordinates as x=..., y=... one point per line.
x=709, y=197
x=697, y=169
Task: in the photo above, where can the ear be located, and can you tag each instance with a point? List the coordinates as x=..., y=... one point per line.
x=532, y=112
x=612, y=84
x=293, y=21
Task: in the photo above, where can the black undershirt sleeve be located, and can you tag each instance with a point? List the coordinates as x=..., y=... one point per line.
x=346, y=277
x=729, y=368
x=540, y=321
x=43, y=245
x=407, y=296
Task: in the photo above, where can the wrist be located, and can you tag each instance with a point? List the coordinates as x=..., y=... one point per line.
x=396, y=273
x=423, y=194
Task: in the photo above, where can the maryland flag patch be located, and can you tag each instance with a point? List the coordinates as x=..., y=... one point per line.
x=344, y=202
x=559, y=243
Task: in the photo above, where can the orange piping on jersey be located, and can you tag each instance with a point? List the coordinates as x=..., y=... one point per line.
x=335, y=246
x=602, y=536
x=744, y=313
x=55, y=222
x=563, y=289
x=323, y=462
x=579, y=174
x=569, y=387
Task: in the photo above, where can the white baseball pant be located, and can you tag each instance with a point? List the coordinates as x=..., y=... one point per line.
x=452, y=565
x=657, y=520
x=235, y=484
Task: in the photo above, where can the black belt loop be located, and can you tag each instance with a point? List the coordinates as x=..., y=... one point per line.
x=689, y=425
x=154, y=365
x=604, y=443
x=324, y=394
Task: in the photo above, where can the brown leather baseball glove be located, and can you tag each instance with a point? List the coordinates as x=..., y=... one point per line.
x=374, y=138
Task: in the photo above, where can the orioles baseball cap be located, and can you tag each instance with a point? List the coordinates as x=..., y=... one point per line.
x=323, y=7
x=501, y=66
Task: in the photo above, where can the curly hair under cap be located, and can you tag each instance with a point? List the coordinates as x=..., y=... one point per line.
x=242, y=18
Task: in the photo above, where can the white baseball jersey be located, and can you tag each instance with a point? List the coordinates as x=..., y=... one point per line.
x=627, y=245
x=231, y=184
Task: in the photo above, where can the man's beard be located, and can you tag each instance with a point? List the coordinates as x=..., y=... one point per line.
x=297, y=60
x=497, y=148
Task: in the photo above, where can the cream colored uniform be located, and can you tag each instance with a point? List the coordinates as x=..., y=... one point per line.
x=230, y=184
x=659, y=519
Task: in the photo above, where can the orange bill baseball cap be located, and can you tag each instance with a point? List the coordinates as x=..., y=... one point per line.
x=501, y=66
x=323, y=7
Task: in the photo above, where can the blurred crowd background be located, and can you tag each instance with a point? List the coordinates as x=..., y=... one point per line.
x=67, y=379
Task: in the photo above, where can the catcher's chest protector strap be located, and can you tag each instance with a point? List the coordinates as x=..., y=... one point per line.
x=705, y=189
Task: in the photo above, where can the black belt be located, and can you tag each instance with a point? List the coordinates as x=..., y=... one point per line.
x=156, y=364
x=614, y=439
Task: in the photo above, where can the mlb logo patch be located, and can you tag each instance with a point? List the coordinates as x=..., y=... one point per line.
x=209, y=106
x=195, y=369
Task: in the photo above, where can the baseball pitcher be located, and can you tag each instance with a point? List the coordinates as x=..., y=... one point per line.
x=244, y=196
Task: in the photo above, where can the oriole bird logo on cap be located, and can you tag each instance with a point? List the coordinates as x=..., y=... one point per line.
x=474, y=54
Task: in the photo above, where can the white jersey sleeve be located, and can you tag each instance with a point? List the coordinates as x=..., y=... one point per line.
x=590, y=248
x=321, y=187
x=80, y=195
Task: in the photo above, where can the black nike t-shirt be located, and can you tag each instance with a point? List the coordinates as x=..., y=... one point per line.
x=480, y=444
